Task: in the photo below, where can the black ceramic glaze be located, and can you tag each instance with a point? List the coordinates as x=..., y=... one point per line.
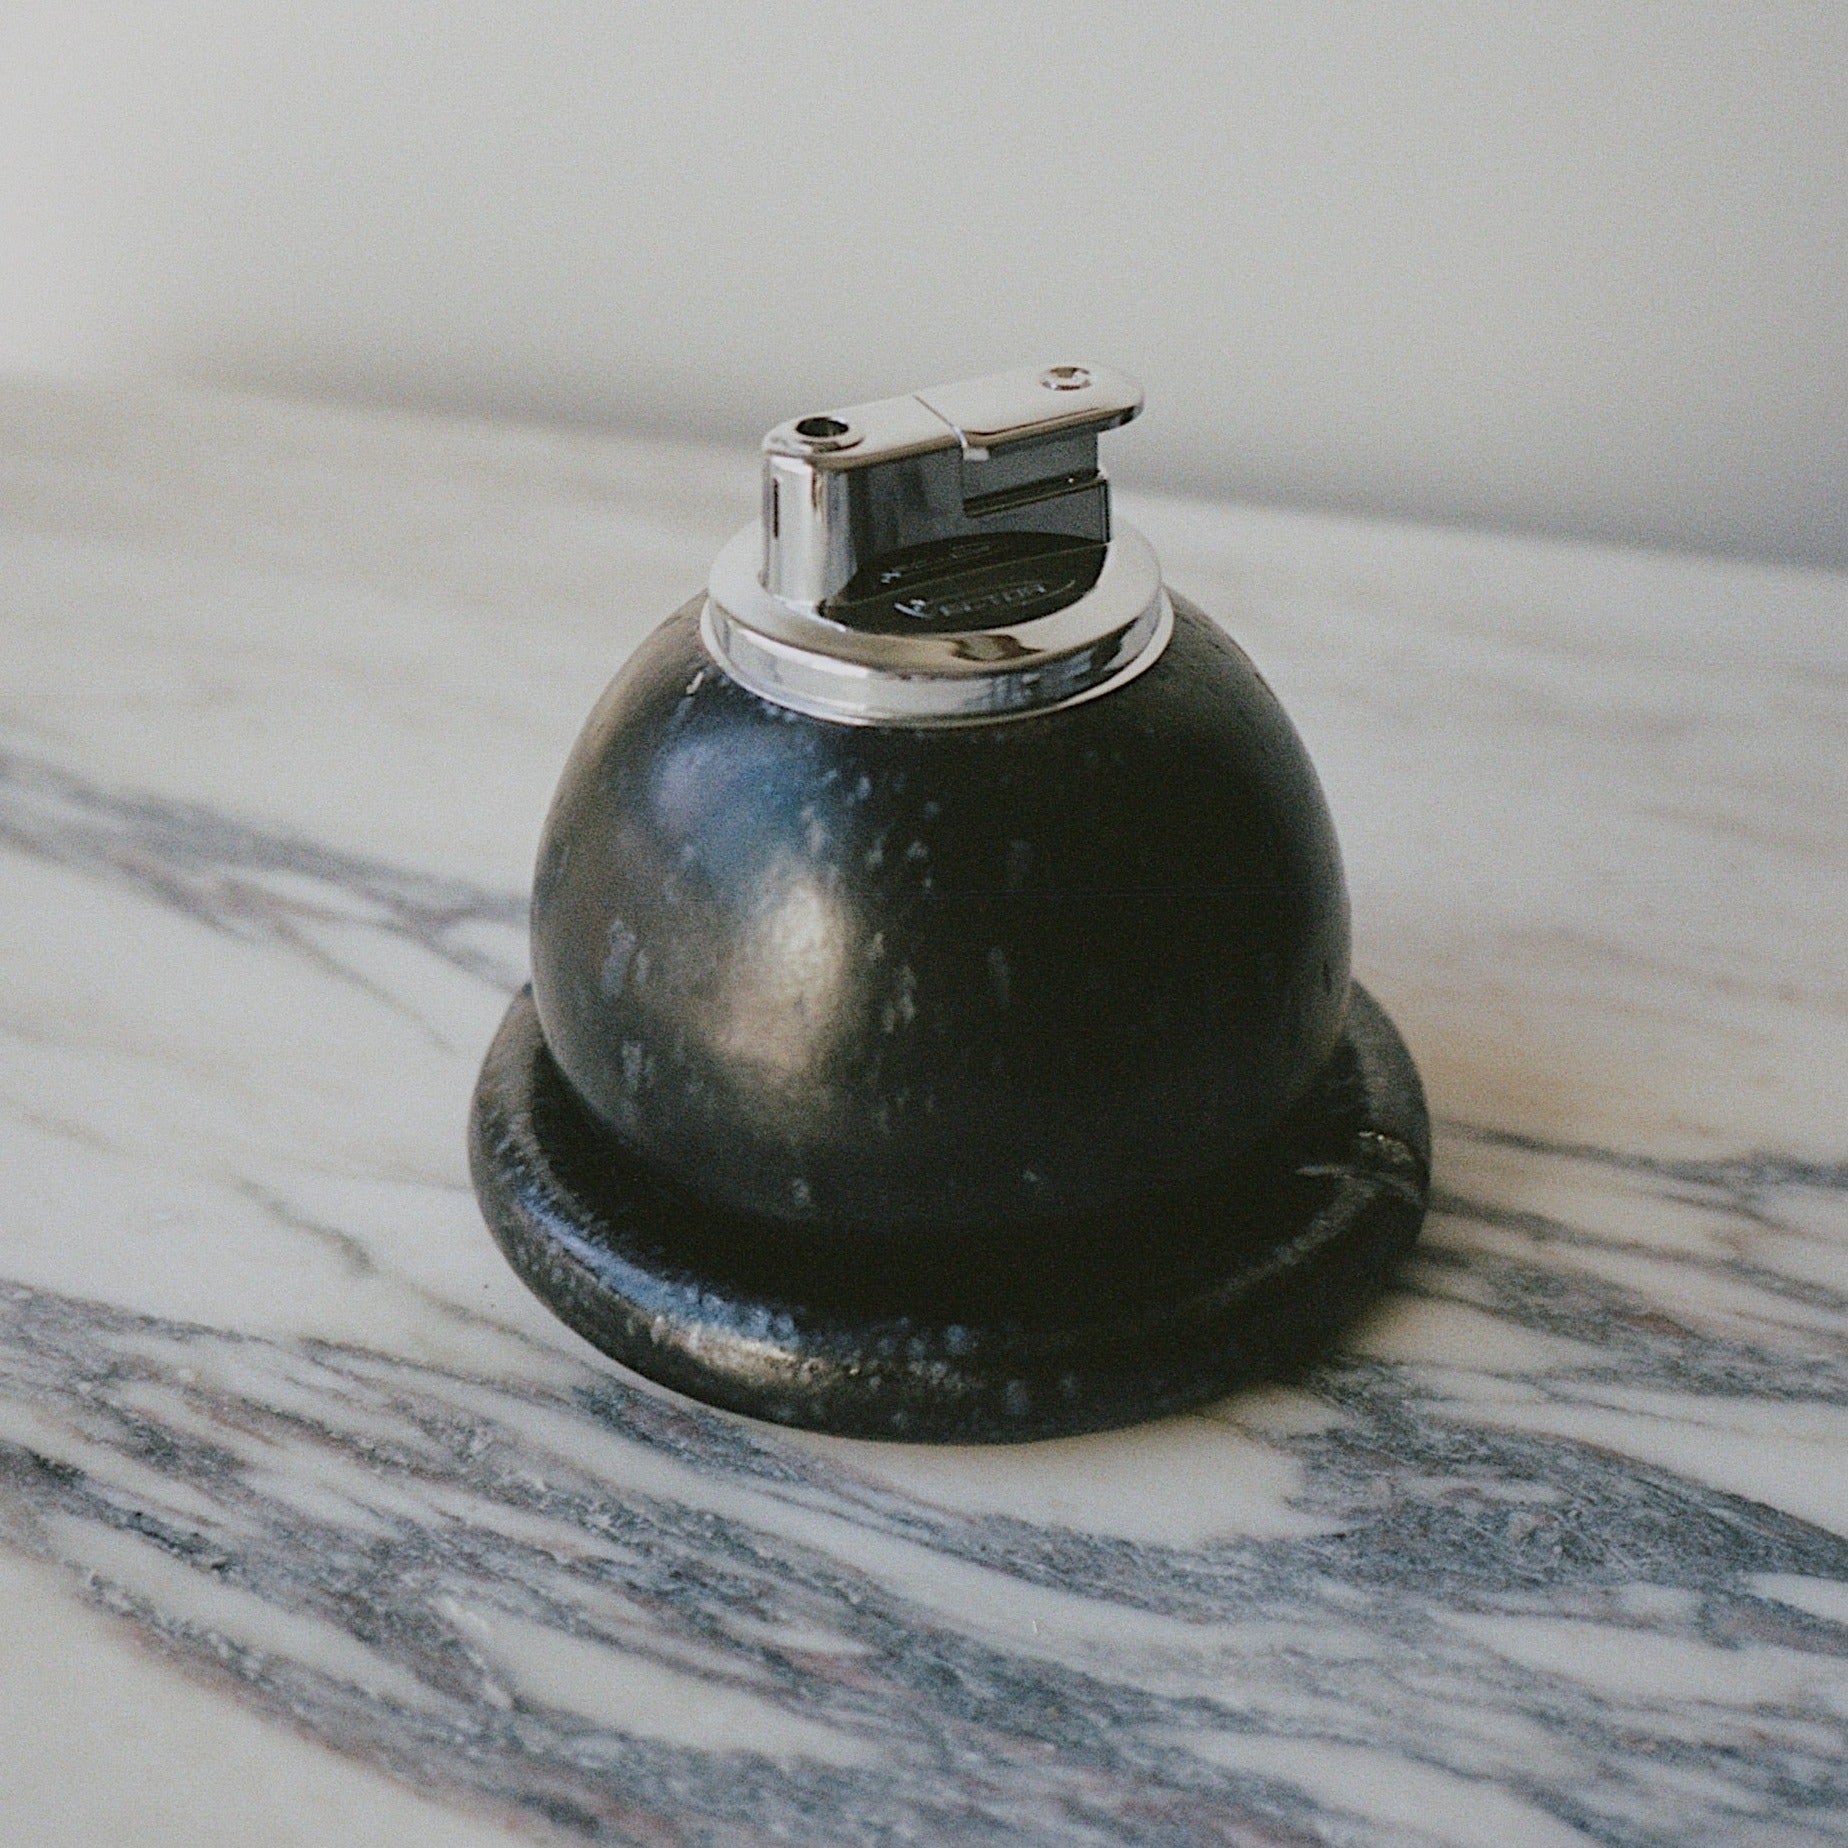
x=909, y=983
x=976, y=1079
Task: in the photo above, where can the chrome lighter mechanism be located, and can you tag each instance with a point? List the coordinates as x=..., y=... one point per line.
x=941, y=1025
x=942, y=558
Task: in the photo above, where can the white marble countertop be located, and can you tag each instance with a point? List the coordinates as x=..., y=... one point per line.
x=316, y=1528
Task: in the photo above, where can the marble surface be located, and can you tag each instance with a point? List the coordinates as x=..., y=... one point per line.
x=315, y=1528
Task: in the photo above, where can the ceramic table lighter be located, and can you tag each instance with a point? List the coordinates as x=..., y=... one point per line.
x=940, y=1024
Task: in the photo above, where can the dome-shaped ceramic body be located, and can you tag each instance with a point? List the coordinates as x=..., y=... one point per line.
x=875, y=982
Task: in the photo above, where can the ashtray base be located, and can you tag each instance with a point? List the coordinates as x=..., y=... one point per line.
x=1082, y=1328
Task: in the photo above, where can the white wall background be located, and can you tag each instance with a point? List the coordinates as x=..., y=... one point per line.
x=1569, y=267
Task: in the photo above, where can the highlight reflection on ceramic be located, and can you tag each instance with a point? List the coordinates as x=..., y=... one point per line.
x=780, y=1002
